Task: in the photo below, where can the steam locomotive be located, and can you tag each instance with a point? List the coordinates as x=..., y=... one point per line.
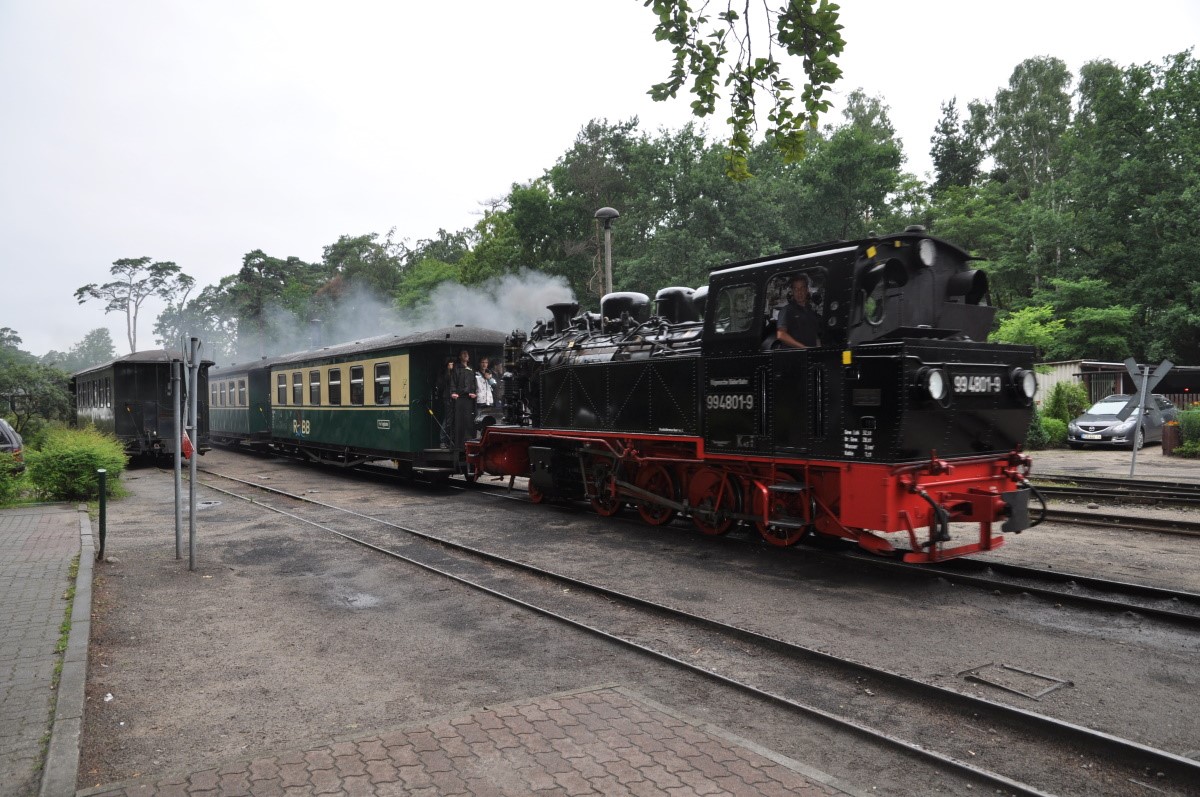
x=900, y=430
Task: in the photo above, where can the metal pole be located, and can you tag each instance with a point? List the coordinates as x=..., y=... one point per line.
x=103, y=476
x=177, y=392
x=608, y=283
x=193, y=387
x=1141, y=413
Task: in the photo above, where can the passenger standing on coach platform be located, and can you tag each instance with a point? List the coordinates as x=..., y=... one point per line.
x=799, y=326
x=463, y=392
x=487, y=385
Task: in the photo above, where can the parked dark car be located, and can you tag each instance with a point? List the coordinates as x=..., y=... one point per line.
x=11, y=443
x=1100, y=426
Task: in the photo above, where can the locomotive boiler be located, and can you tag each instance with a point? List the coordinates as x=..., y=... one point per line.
x=901, y=430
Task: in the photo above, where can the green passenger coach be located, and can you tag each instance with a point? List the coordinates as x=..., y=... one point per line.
x=350, y=403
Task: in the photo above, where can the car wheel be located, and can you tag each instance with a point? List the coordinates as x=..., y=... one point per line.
x=1140, y=439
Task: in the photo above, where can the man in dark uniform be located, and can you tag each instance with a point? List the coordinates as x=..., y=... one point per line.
x=462, y=386
x=799, y=326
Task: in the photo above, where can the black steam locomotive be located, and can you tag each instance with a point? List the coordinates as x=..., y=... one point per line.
x=902, y=421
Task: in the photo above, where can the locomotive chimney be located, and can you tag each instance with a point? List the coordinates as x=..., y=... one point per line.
x=563, y=312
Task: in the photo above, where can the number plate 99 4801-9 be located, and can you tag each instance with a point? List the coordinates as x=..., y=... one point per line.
x=977, y=384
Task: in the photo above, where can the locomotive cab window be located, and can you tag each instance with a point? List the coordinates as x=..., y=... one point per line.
x=314, y=388
x=734, y=310
x=383, y=384
x=335, y=386
x=357, y=392
x=779, y=291
x=281, y=389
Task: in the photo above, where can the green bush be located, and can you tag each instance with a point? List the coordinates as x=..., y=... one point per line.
x=65, y=467
x=1066, y=402
x=1189, y=426
x=1054, y=431
x=12, y=481
x=1191, y=450
x=1035, y=438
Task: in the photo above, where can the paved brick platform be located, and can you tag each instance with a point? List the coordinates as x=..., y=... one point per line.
x=606, y=741
x=36, y=547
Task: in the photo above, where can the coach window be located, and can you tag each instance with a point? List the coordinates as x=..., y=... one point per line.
x=335, y=386
x=297, y=388
x=281, y=389
x=107, y=392
x=383, y=384
x=735, y=310
x=314, y=388
x=357, y=392
x=222, y=396
x=241, y=392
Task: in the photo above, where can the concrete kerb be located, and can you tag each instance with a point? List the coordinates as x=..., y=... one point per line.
x=62, y=758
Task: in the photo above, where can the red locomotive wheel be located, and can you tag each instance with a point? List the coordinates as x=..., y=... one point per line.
x=605, y=502
x=713, y=496
x=783, y=505
x=654, y=478
x=536, y=496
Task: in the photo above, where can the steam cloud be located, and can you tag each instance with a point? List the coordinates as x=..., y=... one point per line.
x=513, y=301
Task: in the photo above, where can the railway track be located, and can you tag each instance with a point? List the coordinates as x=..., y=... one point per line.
x=1100, y=489
x=1174, y=606
x=801, y=679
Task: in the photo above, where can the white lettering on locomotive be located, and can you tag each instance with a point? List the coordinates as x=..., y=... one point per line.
x=730, y=401
x=977, y=384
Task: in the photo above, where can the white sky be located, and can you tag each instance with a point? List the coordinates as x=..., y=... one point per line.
x=197, y=132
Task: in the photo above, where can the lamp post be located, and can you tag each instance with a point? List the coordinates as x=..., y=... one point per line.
x=607, y=215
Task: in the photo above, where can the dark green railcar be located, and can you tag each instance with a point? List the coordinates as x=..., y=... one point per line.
x=372, y=399
x=131, y=399
x=239, y=399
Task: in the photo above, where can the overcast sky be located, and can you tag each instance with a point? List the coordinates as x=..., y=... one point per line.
x=197, y=132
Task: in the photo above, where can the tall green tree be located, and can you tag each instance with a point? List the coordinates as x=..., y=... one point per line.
x=137, y=279
x=742, y=47
x=31, y=393
x=96, y=348
x=958, y=146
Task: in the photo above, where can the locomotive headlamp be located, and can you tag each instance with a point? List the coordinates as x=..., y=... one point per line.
x=932, y=381
x=927, y=250
x=1024, y=383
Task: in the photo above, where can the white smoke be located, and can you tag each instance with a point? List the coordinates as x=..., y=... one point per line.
x=513, y=301
x=507, y=303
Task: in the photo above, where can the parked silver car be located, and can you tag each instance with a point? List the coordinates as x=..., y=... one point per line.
x=1100, y=426
x=11, y=443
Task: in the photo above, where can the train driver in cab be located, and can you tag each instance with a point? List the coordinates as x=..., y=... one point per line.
x=799, y=324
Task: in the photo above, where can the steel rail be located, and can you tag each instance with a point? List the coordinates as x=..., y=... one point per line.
x=1055, y=728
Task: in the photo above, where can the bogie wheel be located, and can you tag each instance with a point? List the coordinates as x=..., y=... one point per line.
x=784, y=505
x=536, y=496
x=655, y=478
x=713, y=495
x=605, y=503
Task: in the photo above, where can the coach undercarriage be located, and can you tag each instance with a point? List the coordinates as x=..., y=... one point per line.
x=785, y=500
